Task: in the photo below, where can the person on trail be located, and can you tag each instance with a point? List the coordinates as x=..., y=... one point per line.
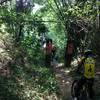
x=69, y=53
x=88, y=64
x=48, y=55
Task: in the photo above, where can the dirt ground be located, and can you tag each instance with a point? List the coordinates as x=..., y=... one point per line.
x=64, y=81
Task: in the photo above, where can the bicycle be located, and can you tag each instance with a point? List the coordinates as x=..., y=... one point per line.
x=83, y=95
x=85, y=89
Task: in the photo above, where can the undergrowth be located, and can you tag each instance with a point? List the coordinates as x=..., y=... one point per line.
x=29, y=83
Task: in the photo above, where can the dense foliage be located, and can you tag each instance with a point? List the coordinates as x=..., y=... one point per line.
x=23, y=26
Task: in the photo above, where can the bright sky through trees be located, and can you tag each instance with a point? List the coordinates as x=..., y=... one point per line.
x=36, y=7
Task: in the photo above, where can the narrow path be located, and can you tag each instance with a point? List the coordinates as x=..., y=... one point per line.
x=64, y=80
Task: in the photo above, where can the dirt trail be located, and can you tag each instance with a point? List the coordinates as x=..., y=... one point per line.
x=64, y=80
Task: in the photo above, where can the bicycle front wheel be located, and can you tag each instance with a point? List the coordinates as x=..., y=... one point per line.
x=73, y=88
x=84, y=95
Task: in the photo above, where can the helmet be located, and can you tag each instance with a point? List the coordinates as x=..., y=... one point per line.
x=88, y=52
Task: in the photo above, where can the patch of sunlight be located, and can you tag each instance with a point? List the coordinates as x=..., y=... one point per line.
x=22, y=83
x=31, y=93
x=58, y=75
x=61, y=64
x=63, y=81
x=36, y=7
x=1, y=50
x=67, y=71
x=4, y=55
x=67, y=82
x=74, y=63
x=2, y=27
x=51, y=97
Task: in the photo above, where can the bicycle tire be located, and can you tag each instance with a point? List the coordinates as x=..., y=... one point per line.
x=73, y=87
x=84, y=95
